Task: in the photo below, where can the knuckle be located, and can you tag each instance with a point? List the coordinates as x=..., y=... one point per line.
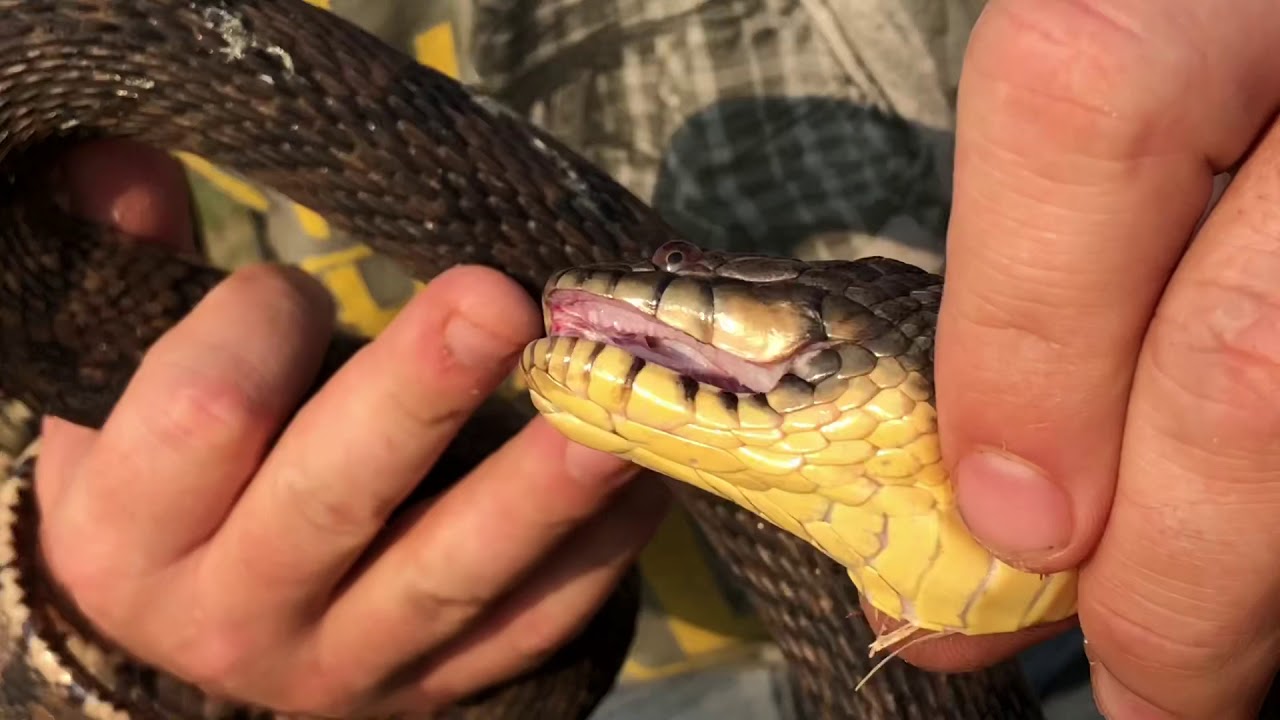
x=216, y=659
x=204, y=409
x=1000, y=321
x=1100, y=64
x=447, y=612
x=442, y=411
x=325, y=508
x=1218, y=347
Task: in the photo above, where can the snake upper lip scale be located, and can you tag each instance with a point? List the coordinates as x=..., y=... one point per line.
x=829, y=433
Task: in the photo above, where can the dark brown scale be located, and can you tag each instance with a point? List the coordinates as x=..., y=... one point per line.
x=790, y=394
x=729, y=401
x=633, y=372
x=406, y=160
x=818, y=366
x=690, y=388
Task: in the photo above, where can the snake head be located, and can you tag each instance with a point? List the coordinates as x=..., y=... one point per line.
x=803, y=392
x=736, y=322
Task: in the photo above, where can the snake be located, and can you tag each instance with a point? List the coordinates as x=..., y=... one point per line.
x=791, y=402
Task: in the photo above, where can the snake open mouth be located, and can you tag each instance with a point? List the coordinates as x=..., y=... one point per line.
x=582, y=314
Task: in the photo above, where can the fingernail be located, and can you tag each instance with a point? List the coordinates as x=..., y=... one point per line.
x=1117, y=702
x=594, y=466
x=1012, y=507
x=472, y=344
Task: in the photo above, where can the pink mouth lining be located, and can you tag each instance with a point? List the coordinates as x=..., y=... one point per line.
x=580, y=314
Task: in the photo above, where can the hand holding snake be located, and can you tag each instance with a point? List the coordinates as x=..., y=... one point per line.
x=245, y=568
x=1108, y=370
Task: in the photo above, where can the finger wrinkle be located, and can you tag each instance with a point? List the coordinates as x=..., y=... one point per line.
x=1223, y=349
x=1146, y=581
x=1205, y=431
x=1199, y=481
x=1164, y=642
x=1084, y=69
x=1186, y=55
x=327, y=508
x=1071, y=182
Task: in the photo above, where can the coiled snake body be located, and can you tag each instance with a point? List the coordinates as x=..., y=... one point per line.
x=800, y=393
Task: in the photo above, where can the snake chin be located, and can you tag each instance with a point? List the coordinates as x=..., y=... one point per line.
x=582, y=314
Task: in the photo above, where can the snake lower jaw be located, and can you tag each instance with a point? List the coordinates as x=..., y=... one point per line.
x=900, y=538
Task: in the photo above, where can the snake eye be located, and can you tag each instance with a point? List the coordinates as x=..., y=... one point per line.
x=672, y=255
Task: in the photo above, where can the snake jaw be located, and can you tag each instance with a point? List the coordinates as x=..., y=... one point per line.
x=581, y=314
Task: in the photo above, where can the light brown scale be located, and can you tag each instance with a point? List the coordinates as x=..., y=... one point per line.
x=687, y=305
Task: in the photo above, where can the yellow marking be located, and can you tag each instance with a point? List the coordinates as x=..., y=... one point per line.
x=679, y=450
x=832, y=475
x=712, y=413
x=814, y=416
x=842, y=453
x=759, y=437
x=700, y=620
x=708, y=436
x=852, y=425
x=910, y=544
x=234, y=188
x=657, y=399
x=894, y=433
x=801, y=442
x=943, y=596
x=584, y=433
x=879, y=592
x=322, y=4
x=435, y=47
x=838, y=545
x=311, y=222
x=767, y=462
x=339, y=272
x=901, y=501
x=893, y=466
x=609, y=378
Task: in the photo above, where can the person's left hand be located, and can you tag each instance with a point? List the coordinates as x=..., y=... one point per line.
x=212, y=531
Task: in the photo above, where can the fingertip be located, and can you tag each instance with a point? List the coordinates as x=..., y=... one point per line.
x=134, y=188
x=492, y=299
x=487, y=318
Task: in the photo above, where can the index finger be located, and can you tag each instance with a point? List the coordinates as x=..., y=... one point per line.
x=1089, y=132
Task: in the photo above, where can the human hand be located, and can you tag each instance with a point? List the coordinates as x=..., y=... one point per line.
x=1082, y=335
x=197, y=534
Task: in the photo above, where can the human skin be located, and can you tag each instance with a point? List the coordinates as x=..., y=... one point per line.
x=194, y=537
x=1107, y=388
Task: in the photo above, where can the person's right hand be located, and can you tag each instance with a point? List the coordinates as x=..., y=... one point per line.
x=1108, y=365
x=205, y=538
